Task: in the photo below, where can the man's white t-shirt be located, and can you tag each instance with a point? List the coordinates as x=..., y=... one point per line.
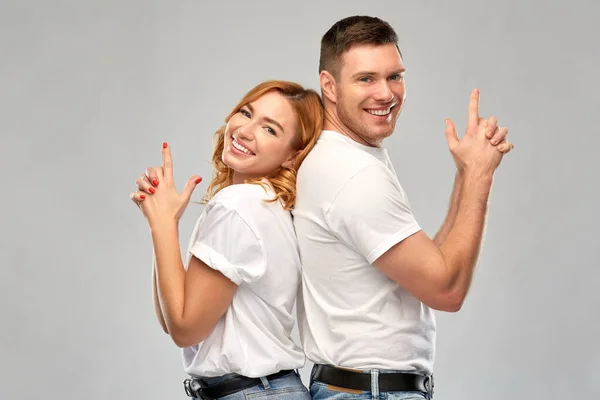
x=350, y=209
x=251, y=242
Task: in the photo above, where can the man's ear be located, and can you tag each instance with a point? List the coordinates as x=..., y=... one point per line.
x=328, y=86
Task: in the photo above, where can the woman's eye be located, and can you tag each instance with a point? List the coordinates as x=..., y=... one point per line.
x=270, y=130
x=245, y=113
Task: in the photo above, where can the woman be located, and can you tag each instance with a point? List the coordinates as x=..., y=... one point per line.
x=230, y=309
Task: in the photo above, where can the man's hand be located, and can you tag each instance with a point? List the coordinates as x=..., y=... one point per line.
x=497, y=135
x=476, y=153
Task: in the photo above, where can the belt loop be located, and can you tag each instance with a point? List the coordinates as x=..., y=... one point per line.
x=429, y=386
x=313, y=371
x=375, y=383
x=265, y=382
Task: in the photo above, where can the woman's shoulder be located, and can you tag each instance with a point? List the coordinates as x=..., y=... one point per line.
x=243, y=191
x=249, y=200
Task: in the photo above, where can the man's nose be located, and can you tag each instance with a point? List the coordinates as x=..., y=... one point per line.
x=383, y=92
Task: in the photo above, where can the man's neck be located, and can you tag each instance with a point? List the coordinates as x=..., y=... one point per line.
x=333, y=123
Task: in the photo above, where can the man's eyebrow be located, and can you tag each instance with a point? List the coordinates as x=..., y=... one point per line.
x=270, y=120
x=370, y=73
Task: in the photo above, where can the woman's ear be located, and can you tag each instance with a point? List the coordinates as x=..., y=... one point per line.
x=290, y=163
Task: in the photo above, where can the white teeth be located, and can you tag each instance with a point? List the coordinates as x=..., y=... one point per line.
x=380, y=112
x=241, y=148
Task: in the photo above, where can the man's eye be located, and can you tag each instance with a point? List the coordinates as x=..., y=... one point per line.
x=365, y=79
x=397, y=77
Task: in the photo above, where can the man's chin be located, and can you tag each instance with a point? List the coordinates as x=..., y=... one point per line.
x=381, y=131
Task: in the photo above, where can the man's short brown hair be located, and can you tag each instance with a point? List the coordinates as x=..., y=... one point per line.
x=349, y=32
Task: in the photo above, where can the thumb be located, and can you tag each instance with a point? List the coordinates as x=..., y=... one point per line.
x=190, y=186
x=451, y=134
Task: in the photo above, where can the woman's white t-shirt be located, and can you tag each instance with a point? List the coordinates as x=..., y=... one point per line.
x=252, y=242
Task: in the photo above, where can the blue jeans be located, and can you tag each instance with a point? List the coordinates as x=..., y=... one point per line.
x=288, y=387
x=322, y=391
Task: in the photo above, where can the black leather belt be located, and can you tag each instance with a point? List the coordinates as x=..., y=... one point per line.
x=388, y=382
x=198, y=388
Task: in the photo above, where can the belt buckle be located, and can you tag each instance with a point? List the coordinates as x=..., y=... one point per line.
x=187, y=385
x=193, y=389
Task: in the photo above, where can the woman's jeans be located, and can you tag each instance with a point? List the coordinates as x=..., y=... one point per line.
x=288, y=387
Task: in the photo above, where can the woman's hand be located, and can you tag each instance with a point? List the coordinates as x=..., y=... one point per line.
x=163, y=203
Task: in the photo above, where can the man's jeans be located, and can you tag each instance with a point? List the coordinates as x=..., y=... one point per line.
x=322, y=391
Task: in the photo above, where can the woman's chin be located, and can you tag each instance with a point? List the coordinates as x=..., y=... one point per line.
x=230, y=160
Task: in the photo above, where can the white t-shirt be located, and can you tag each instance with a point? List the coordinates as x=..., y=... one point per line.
x=252, y=242
x=350, y=209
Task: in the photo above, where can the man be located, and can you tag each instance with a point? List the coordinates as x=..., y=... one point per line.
x=371, y=277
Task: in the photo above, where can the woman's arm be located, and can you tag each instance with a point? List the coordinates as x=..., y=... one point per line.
x=157, y=310
x=192, y=302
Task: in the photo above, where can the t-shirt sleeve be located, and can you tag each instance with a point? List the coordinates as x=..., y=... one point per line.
x=370, y=214
x=226, y=243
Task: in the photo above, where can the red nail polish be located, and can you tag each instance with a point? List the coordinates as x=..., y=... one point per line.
x=142, y=196
x=164, y=145
x=155, y=182
x=198, y=180
x=151, y=190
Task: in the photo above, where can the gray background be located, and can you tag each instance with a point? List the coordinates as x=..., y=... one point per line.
x=90, y=89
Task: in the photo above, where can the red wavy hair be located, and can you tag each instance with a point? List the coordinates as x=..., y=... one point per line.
x=308, y=107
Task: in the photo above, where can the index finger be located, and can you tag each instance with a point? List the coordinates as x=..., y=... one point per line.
x=473, y=122
x=167, y=162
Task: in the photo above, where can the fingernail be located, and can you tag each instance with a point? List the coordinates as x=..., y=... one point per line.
x=476, y=91
x=151, y=190
x=198, y=180
x=164, y=145
x=155, y=182
x=494, y=141
x=142, y=196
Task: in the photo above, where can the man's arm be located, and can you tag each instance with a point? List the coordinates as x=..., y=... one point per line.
x=497, y=138
x=440, y=275
x=452, y=210
x=439, y=272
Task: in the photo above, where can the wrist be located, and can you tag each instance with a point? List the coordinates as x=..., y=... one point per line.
x=159, y=225
x=476, y=186
x=473, y=176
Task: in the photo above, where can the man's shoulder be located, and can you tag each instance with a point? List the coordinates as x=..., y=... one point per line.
x=334, y=157
x=332, y=167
